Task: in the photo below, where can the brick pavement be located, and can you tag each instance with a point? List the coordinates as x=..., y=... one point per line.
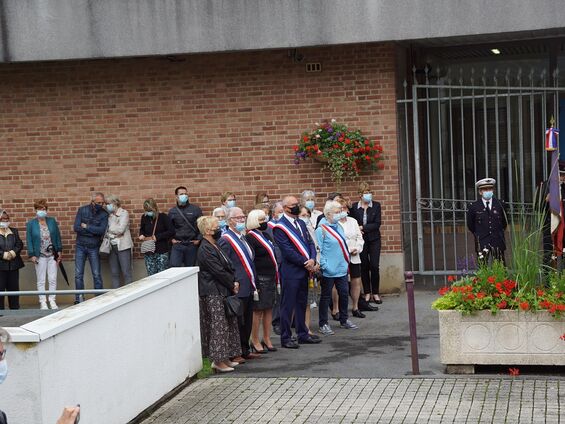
x=375, y=400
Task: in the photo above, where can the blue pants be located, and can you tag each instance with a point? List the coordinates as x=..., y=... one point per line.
x=92, y=254
x=294, y=300
x=183, y=254
x=342, y=287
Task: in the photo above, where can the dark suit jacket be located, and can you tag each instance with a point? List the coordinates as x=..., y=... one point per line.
x=15, y=243
x=245, y=288
x=487, y=226
x=372, y=229
x=216, y=274
x=292, y=261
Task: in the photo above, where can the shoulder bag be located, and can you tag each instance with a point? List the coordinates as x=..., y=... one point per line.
x=148, y=246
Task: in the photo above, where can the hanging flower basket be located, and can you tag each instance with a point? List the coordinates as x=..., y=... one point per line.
x=344, y=152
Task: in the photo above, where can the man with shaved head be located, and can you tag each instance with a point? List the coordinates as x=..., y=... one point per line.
x=298, y=263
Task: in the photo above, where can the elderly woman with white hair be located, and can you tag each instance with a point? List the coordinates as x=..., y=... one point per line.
x=334, y=264
x=267, y=279
x=220, y=213
x=308, y=200
x=119, y=236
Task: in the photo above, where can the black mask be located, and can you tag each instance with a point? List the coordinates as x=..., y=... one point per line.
x=217, y=234
x=295, y=210
x=263, y=226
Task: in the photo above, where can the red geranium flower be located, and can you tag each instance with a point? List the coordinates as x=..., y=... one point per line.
x=562, y=337
x=524, y=306
x=480, y=295
x=491, y=279
x=540, y=292
x=450, y=278
x=381, y=165
x=305, y=138
x=514, y=372
x=443, y=290
x=502, y=304
x=336, y=146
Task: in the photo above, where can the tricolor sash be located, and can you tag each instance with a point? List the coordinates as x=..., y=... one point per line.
x=263, y=241
x=340, y=240
x=243, y=254
x=271, y=225
x=297, y=241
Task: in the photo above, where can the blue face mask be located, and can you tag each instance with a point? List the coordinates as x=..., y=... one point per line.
x=309, y=204
x=339, y=216
x=3, y=370
x=183, y=198
x=231, y=203
x=487, y=195
x=110, y=207
x=223, y=223
x=41, y=214
x=368, y=197
x=149, y=214
x=240, y=227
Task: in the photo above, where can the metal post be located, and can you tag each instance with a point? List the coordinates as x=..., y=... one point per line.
x=409, y=279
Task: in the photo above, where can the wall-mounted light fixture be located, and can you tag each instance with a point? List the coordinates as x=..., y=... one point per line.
x=495, y=51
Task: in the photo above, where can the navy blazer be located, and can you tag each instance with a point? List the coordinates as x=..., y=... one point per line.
x=372, y=229
x=245, y=289
x=292, y=267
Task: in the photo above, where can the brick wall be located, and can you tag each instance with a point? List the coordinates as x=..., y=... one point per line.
x=140, y=127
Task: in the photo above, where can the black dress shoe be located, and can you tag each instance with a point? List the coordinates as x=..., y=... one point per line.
x=310, y=340
x=314, y=336
x=255, y=350
x=357, y=313
x=290, y=345
x=366, y=306
x=377, y=301
x=277, y=330
x=335, y=316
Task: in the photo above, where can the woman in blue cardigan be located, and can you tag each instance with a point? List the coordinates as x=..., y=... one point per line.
x=43, y=240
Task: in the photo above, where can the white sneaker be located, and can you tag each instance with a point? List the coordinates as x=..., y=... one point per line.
x=326, y=330
x=43, y=305
x=52, y=304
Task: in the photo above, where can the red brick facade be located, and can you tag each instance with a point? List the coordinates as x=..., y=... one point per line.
x=140, y=127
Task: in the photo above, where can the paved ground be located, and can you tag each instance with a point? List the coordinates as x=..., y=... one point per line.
x=377, y=400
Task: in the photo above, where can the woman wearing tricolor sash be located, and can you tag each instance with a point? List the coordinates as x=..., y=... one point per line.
x=334, y=264
x=267, y=279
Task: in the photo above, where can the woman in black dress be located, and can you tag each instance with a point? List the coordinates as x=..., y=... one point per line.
x=267, y=279
x=11, y=261
x=216, y=281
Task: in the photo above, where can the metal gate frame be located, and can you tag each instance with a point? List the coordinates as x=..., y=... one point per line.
x=536, y=93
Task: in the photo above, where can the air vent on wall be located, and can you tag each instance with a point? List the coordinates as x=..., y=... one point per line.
x=313, y=67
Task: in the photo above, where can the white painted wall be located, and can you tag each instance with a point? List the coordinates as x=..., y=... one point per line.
x=115, y=355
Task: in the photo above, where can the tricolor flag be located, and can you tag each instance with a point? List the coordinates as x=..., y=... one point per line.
x=556, y=205
x=551, y=143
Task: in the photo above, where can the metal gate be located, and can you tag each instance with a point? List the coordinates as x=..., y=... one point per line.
x=456, y=131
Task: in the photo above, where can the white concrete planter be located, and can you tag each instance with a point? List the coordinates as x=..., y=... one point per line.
x=507, y=338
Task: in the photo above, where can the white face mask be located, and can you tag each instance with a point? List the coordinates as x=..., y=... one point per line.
x=3, y=370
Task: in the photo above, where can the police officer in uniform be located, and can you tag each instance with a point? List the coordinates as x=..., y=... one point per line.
x=486, y=219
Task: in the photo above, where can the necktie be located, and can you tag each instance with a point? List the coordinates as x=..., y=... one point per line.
x=488, y=206
x=298, y=228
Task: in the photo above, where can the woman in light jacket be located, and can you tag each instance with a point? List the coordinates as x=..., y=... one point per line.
x=43, y=243
x=120, y=241
x=355, y=242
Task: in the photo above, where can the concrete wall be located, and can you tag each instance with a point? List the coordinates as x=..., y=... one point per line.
x=70, y=29
x=115, y=355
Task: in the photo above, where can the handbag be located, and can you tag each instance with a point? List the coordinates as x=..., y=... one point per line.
x=149, y=246
x=105, y=246
x=233, y=307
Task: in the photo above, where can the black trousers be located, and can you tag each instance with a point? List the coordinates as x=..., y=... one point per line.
x=370, y=257
x=10, y=281
x=246, y=323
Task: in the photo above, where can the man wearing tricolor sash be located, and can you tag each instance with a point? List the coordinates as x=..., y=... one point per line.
x=240, y=253
x=298, y=262
x=334, y=263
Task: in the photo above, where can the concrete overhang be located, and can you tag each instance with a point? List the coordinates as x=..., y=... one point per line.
x=36, y=30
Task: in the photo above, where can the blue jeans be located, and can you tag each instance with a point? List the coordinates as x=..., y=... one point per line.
x=183, y=254
x=92, y=254
x=342, y=287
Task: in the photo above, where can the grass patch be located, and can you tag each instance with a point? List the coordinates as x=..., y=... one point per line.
x=206, y=370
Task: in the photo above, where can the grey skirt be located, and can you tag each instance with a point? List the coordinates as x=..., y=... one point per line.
x=266, y=286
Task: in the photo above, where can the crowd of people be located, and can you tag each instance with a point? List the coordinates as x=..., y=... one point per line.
x=270, y=268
